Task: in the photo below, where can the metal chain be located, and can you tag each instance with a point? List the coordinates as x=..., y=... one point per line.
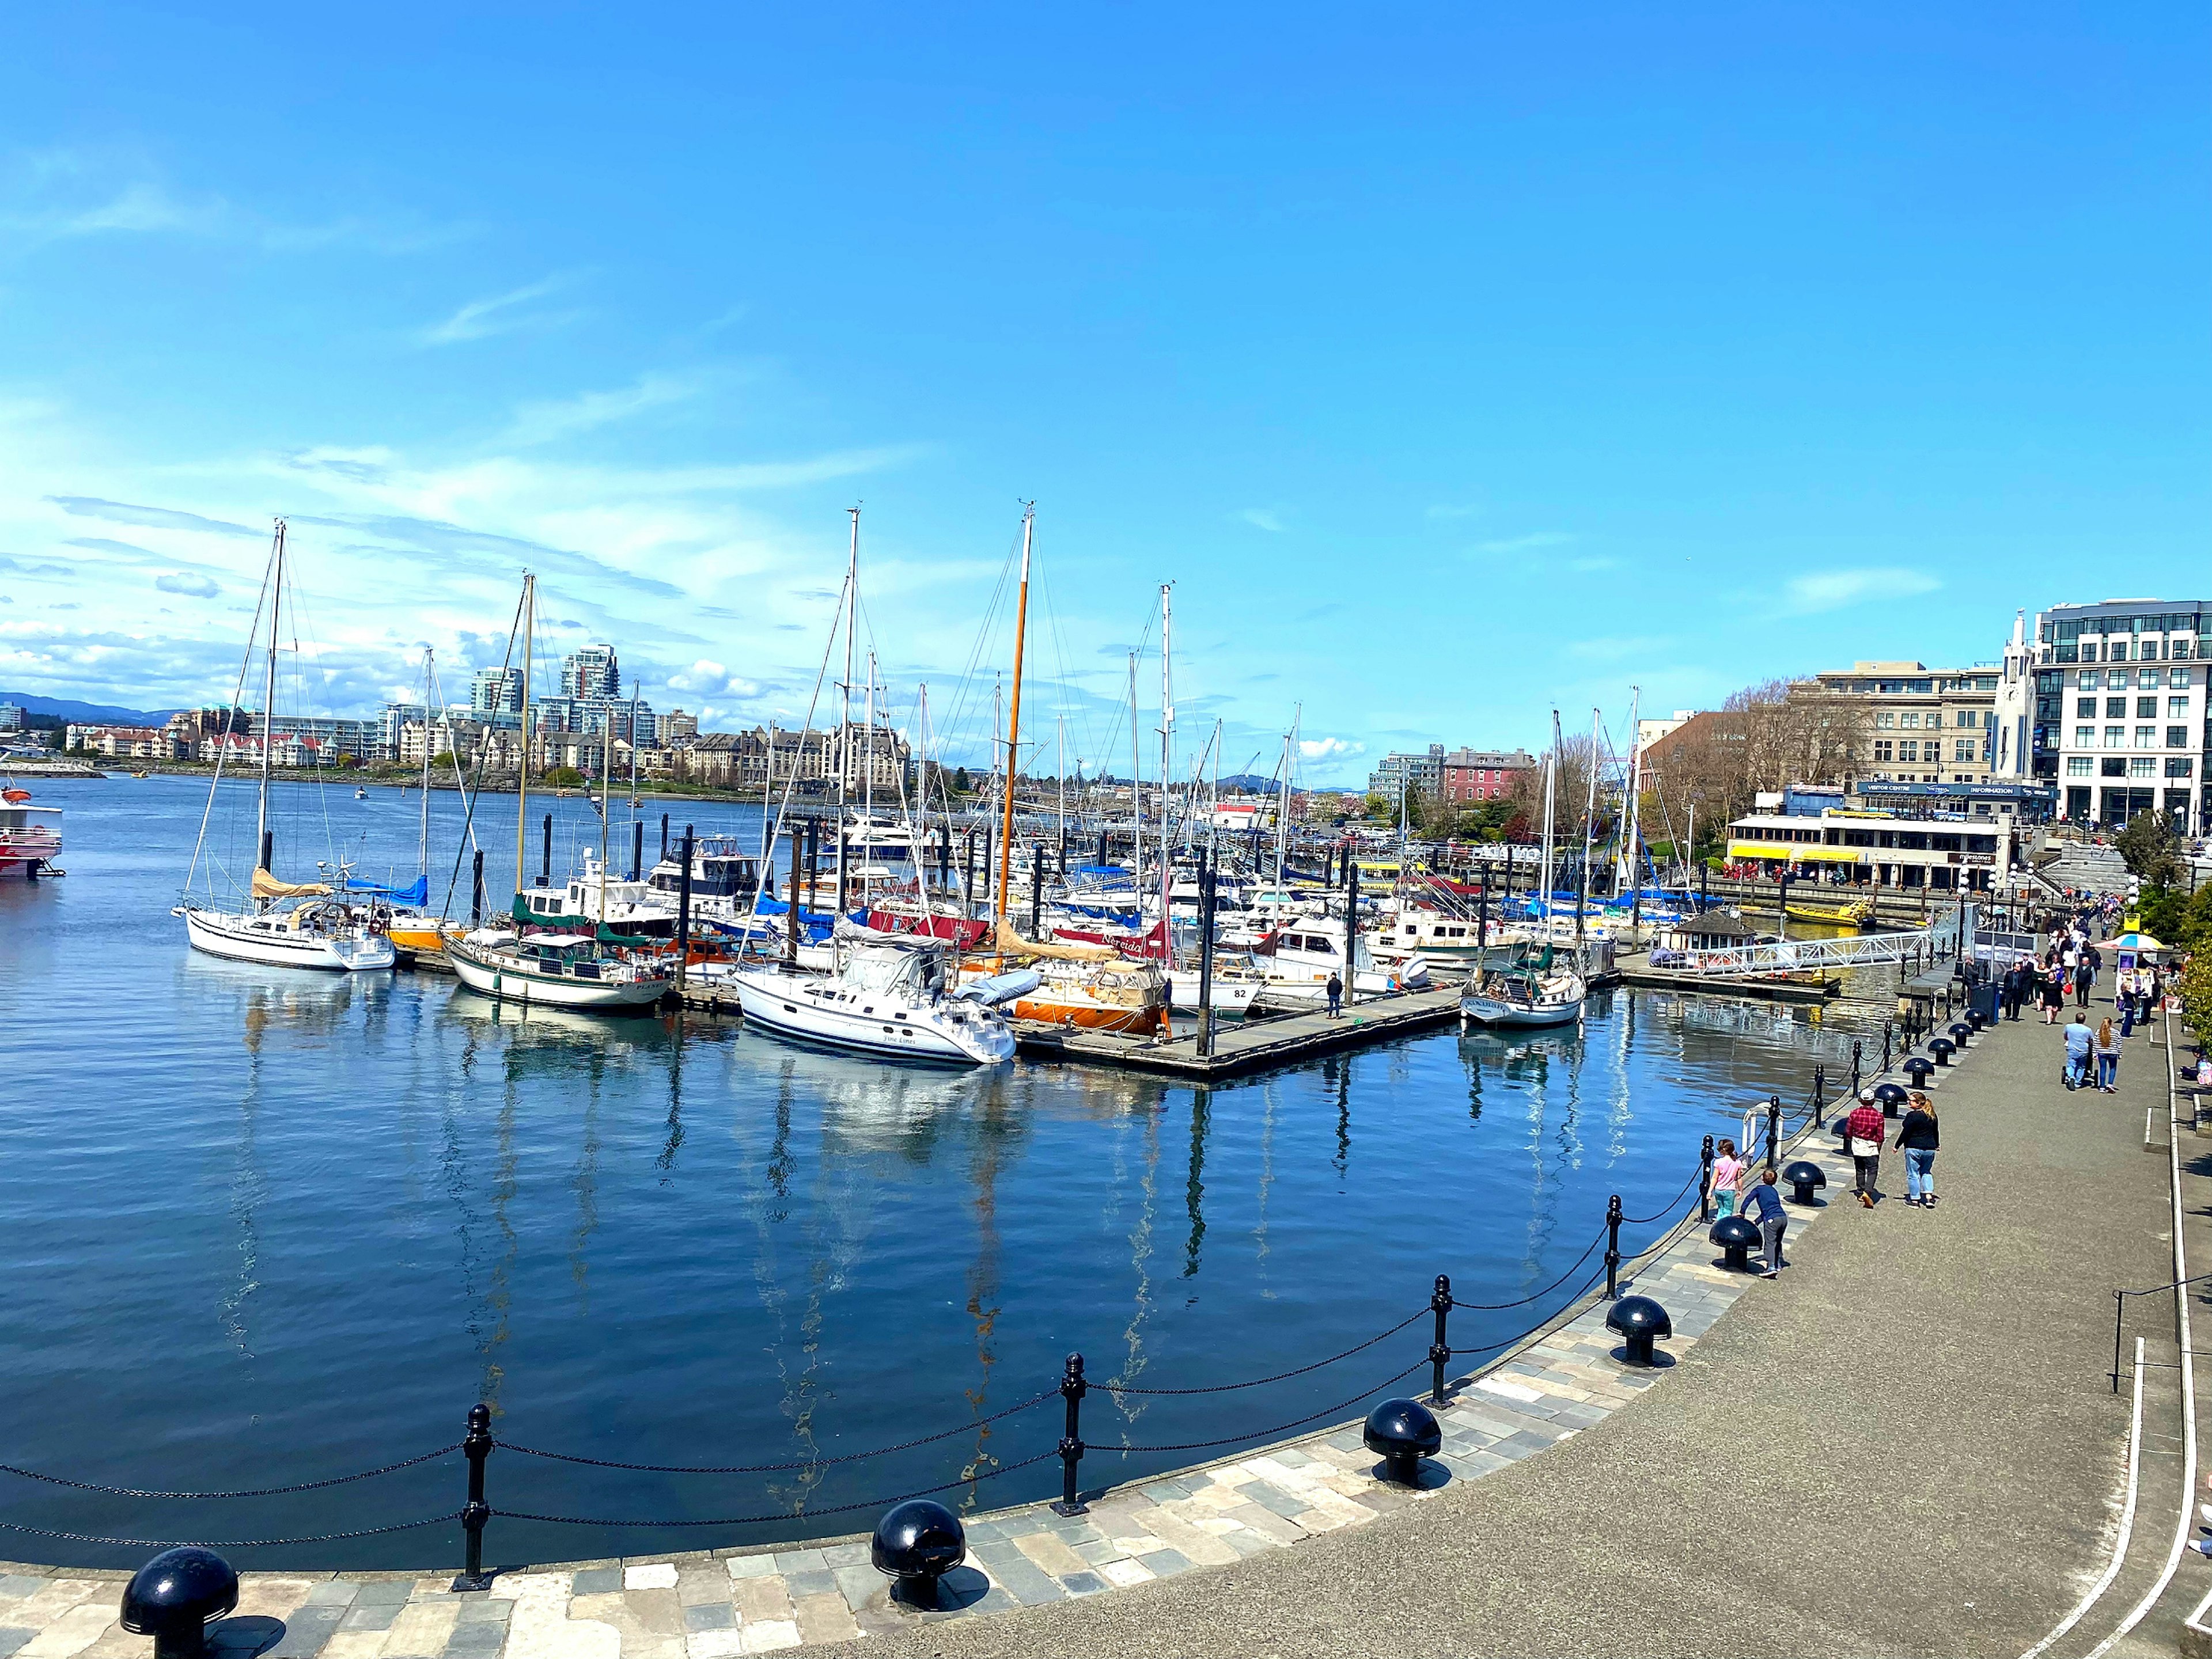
x=778, y=1515
x=232, y=1543
x=1533, y=1295
x=1263, y=1434
x=1667, y=1208
x=256, y=1492
x=777, y=1468
x=1231, y=1387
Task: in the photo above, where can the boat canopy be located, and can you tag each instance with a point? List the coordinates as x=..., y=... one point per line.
x=266, y=886
x=417, y=891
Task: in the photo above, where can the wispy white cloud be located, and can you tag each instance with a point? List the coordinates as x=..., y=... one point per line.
x=542, y=422
x=1263, y=517
x=1834, y=590
x=710, y=679
x=1528, y=543
x=177, y=581
x=1328, y=749
x=501, y=313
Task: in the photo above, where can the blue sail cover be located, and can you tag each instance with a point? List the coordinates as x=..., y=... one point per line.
x=813, y=925
x=417, y=891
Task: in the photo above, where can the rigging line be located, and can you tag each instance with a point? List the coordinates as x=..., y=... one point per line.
x=783, y=806
x=469, y=797
x=229, y=720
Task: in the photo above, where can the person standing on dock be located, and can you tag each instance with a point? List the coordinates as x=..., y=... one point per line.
x=1335, y=989
x=1864, y=1129
x=1728, y=1177
x=1766, y=1206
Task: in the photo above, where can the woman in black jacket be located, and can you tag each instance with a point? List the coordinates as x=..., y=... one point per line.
x=1918, y=1139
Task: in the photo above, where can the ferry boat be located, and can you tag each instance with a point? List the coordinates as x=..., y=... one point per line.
x=885, y=995
x=30, y=836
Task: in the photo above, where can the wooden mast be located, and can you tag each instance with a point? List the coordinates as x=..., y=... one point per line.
x=1014, y=721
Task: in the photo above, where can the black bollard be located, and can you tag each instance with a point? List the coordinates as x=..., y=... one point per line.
x=1774, y=1128
x=664, y=837
x=683, y=910
x=176, y=1597
x=1072, y=1387
x=915, y=1545
x=1857, y=1054
x=1402, y=1432
x=1439, y=1348
x=475, y=1446
x=545, y=852
x=636, y=847
x=1612, y=1247
x=476, y=891
x=1705, y=1181
x=1885, y=1045
x=1638, y=1320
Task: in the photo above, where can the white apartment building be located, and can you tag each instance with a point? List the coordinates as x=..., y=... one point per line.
x=2120, y=723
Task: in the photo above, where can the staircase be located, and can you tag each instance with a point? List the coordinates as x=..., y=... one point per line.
x=2084, y=866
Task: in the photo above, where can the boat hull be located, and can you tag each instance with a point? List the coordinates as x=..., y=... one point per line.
x=500, y=976
x=236, y=940
x=1491, y=1011
x=780, y=1002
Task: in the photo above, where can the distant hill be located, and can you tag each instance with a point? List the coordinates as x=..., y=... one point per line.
x=85, y=714
x=1249, y=783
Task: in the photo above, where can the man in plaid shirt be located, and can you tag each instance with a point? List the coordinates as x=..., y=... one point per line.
x=1864, y=1128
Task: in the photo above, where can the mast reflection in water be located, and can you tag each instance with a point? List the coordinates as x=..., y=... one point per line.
x=263, y=1228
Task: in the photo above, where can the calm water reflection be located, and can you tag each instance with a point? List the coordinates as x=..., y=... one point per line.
x=262, y=1227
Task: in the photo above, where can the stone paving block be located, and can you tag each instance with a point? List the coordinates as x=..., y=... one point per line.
x=657, y=1575
x=770, y=1635
x=343, y=1644
x=1273, y=1499
x=814, y=1581
x=845, y=1555
x=709, y=1615
x=803, y=1560
x=1161, y=1491
x=762, y=1599
x=703, y=1583
x=824, y=1618
x=855, y=1584
x=724, y=1644
x=740, y=1566
x=478, y=1636
x=1050, y=1554
x=17, y=1585
x=598, y=1580
x=1125, y=1572
x=373, y=1617
x=339, y=1593
x=1166, y=1564
x=485, y=1609
x=1027, y=1583
x=305, y=1631
x=1092, y=1554
x=423, y=1627
x=1245, y=1541
x=1083, y=1583
x=12, y=1637
x=1280, y=1528
x=75, y=1630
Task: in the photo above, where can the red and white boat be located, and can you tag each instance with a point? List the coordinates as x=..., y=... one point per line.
x=30, y=836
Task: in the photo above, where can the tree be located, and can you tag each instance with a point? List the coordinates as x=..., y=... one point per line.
x=2151, y=848
x=1377, y=807
x=960, y=781
x=562, y=777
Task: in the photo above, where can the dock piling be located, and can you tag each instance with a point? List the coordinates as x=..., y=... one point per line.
x=1206, y=874
x=545, y=851
x=1613, y=1249
x=475, y=1446
x=476, y=891
x=683, y=913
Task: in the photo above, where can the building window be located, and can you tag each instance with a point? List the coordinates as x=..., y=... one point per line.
x=2114, y=767
x=1936, y=719
x=2085, y=737
x=2177, y=708
x=2177, y=768
x=1908, y=749
x=2177, y=678
x=1883, y=749
x=1909, y=719
x=2146, y=708
x=1885, y=720
x=1963, y=749
x=2086, y=707
x=2147, y=679
x=2143, y=767
x=2146, y=737
x=2116, y=708
x=2177, y=737
x=2079, y=766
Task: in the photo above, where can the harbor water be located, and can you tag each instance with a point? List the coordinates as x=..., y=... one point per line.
x=261, y=1226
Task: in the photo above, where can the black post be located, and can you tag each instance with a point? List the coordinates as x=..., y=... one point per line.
x=1072, y=1387
x=2118, y=1301
x=1704, y=888
x=841, y=867
x=1773, y=1130
x=475, y=1446
x=636, y=847
x=1820, y=1091
x=1037, y=889
x=545, y=852
x=1350, y=926
x=1440, y=1302
x=664, y=837
x=1102, y=847
x=1886, y=1031
x=476, y=891
x=683, y=911
x=1858, y=1049
x=813, y=827
x=791, y=910
x=268, y=849
x=1613, y=1249
x=1206, y=874
x=968, y=880
x=1705, y=1181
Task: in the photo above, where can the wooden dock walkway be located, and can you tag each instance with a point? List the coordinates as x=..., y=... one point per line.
x=1239, y=1049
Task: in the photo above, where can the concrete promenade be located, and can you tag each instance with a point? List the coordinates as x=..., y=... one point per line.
x=1906, y=1444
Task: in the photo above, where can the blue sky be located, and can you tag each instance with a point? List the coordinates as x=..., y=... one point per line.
x=1453, y=363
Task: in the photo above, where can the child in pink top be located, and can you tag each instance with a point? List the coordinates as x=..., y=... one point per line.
x=1728, y=1170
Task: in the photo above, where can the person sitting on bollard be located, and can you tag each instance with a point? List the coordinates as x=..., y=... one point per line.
x=1727, y=1178
x=2081, y=1042
x=1764, y=1205
x=2108, y=1059
x=1864, y=1129
x=1916, y=1140
x=1335, y=989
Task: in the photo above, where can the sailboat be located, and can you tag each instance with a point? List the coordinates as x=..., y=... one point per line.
x=412, y=927
x=283, y=924
x=583, y=970
x=884, y=994
x=1533, y=988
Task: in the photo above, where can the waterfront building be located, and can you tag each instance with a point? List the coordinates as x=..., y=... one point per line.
x=590, y=674
x=2120, y=721
x=1907, y=721
x=123, y=742
x=1478, y=774
x=595, y=716
x=766, y=756
x=1937, y=836
x=496, y=691
x=11, y=717
x=1649, y=730
x=675, y=729
x=1424, y=773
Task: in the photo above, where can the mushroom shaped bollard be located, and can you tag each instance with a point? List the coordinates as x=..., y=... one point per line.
x=1402, y=1432
x=1803, y=1177
x=917, y=1543
x=1974, y=1018
x=1960, y=1031
x=1891, y=1097
x=176, y=1597
x=1638, y=1320
x=1917, y=1069
x=1734, y=1234
x=1941, y=1049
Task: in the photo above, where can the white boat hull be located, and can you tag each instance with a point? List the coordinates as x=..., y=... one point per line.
x=236, y=937
x=808, y=1006
x=1493, y=1011
x=497, y=976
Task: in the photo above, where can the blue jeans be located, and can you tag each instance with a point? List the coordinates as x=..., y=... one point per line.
x=2077, y=1069
x=2108, y=1070
x=1919, y=1173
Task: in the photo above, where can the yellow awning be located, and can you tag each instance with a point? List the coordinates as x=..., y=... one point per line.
x=1760, y=849
x=1810, y=855
x=1832, y=854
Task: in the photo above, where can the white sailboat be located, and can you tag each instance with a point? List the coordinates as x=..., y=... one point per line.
x=282, y=924
x=563, y=969
x=1535, y=988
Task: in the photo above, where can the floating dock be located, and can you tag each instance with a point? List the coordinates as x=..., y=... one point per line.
x=1242, y=1048
x=1731, y=985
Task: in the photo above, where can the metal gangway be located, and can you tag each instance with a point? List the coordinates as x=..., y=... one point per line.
x=1934, y=942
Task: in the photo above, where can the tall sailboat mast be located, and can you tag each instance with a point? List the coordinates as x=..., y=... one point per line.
x=1136, y=801
x=606, y=801
x=1633, y=851
x=268, y=704
x=845, y=697
x=1014, y=723
x=1167, y=770
x=1551, y=797
x=429, y=678
x=522, y=768
x=1589, y=821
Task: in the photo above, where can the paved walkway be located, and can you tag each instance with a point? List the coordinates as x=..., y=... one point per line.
x=1905, y=1445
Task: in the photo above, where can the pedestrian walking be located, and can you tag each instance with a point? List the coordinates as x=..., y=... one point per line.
x=2015, y=989
x=1727, y=1178
x=2125, y=1004
x=2108, y=1059
x=1773, y=1219
x=1917, y=1139
x=1335, y=989
x=2052, y=994
x=2081, y=1042
x=1864, y=1129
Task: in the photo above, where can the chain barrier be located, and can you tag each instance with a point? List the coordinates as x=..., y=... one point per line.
x=256, y=1491
x=1231, y=1387
x=779, y=1515
x=233, y=1543
x=1263, y=1434
x=777, y=1469
x=1667, y=1208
